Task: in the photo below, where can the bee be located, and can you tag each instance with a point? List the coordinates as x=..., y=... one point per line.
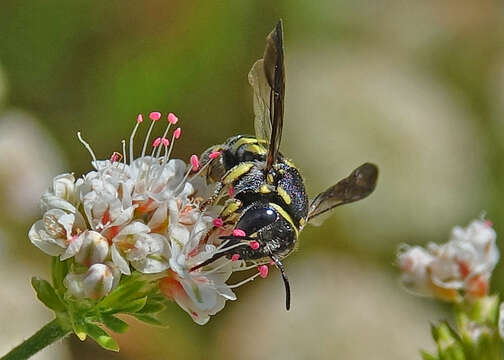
x=267, y=196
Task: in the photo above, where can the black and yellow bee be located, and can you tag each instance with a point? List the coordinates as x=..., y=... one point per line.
x=267, y=197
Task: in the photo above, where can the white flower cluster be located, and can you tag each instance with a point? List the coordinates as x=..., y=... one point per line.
x=461, y=267
x=144, y=216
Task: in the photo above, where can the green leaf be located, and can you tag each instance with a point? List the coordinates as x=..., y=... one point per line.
x=115, y=324
x=124, y=293
x=427, y=356
x=152, y=307
x=47, y=295
x=133, y=306
x=59, y=272
x=449, y=343
x=101, y=337
x=485, y=309
x=150, y=319
x=79, y=330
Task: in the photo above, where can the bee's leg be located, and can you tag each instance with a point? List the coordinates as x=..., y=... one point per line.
x=228, y=215
x=212, y=200
x=231, y=176
x=230, y=212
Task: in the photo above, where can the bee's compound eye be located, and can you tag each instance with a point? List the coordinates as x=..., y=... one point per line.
x=254, y=219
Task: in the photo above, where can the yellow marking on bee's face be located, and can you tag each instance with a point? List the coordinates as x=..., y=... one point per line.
x=286, y=216
x=270, y=179
x=236, y=172
x=283, y=194
x=265, y=189
x=231, y=208
x=302, y=222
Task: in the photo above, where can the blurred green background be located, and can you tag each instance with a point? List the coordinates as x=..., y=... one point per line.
x=414, y=86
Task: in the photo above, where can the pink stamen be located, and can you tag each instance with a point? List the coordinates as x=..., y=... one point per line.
x=231, y=191
x=254, y=245
x=156, y=142
x=115, y=157
x=172, y=118
x=263, y=270
x=214, y=155
x=218, y=222
x=177, y=133
x=139, y=118
x=235, y=257
x=239, y=233
x=165, y=141
x=195, y=162
x=271, y=263
x=155, y=116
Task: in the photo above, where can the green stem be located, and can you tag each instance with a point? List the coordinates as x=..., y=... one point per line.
x=51, y=332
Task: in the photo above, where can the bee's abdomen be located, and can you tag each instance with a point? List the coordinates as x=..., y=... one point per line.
x=291, y=189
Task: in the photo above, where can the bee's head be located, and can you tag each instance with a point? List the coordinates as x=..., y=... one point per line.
x=262, y=234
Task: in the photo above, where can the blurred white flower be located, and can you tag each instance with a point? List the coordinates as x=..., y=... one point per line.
x=501, y=320
x=462, y=266
x=24, y=170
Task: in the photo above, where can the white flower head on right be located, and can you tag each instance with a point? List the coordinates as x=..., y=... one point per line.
x=461, y=267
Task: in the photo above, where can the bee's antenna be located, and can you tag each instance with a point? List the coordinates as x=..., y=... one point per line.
x=280, y=267
x=208, y=261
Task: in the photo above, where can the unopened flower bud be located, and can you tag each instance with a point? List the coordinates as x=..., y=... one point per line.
x=94, y=249
x=98, y=281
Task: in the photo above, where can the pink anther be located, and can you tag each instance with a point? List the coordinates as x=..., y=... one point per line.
x=165, y=141
x=155, y=115
x=177, y=133
x=231, y=191
x=214, y=155
x=115, y=157
x=139, y=118
x=263, y=270
x=195, y=162
x=156, y=142
x=239, y=233
x=218, y=222
x=172, y=118
x=254, y=245
x=235, y=257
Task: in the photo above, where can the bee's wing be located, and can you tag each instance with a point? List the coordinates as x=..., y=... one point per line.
x=359, y=184
x=267, y=78
x=262, y=122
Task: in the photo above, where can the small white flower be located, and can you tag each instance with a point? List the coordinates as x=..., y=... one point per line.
x=61, y=195
x=56, y=231
x=413, y=262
